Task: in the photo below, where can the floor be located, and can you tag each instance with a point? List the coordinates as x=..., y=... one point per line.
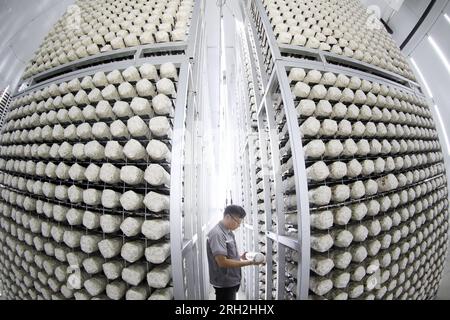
x=240, y=294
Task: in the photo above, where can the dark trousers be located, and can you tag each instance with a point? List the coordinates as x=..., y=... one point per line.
x=226, y=293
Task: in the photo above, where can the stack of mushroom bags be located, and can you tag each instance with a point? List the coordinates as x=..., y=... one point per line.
x=85, y=165
x=92, y=27
x=377, y=188
x=342, y=27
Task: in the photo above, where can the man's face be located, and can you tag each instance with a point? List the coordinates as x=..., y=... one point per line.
x=233, y=222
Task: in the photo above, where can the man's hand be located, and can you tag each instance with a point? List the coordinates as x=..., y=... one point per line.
x=256, y=263
x=252, y=263
x=224, y=262
x=261, y=263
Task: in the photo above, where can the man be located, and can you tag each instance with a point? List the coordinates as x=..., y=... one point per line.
x=223, y=258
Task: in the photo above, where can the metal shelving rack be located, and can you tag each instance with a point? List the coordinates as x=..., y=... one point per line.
x=250, y=227
x=275, y=61
x=187, y=225
x=248, y=92
x=5, y=100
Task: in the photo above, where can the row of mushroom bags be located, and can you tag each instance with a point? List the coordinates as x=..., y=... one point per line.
x=340, y=27
x=92, y=27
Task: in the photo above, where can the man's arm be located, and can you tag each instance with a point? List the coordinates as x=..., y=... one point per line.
x=224, y=262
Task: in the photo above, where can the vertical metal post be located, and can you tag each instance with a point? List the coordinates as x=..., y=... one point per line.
x=278, y=185
x=190, y=194
x=176, y=188
x=254, y=208
x=301, y=185
x=248, y=209
x=263, y=138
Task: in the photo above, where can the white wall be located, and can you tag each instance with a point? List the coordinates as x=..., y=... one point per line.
x=404, y=21
x=435, y=71
x=23, y=26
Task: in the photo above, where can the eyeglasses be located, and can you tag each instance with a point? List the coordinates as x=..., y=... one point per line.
x=237, y=221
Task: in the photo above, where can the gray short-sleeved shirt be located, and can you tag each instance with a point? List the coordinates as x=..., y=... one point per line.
x=221, y=241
